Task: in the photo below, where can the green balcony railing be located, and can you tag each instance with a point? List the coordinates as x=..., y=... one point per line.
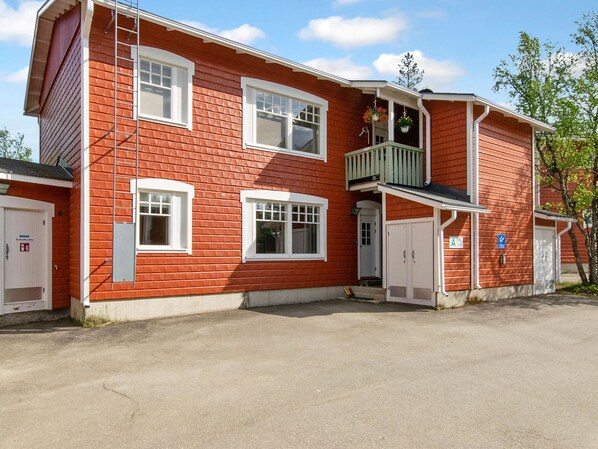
x=387, y=162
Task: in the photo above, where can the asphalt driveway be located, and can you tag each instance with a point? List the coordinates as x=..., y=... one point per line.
x=337, y=374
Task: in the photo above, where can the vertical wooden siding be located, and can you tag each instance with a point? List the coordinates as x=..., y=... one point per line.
x=60, y=134
x=506, y=189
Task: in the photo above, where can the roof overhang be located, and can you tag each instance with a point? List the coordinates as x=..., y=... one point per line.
x=36, y=180
x=49, y=12
x=547, y=215
x=388, y=91
x=431, y=199
x=536, y=124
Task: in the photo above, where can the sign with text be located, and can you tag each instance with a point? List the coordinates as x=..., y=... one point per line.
x=456, y=242
x=24, y=247
x=501, y=241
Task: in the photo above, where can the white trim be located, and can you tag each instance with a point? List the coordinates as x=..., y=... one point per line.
x=384, y=235
x=249, y=85
x=178, y=62
x=87, y=10
x=411, y=220
x=371, y=205
x=17, y=203
x=170, y=186
x=248, y=220
x=36, y=180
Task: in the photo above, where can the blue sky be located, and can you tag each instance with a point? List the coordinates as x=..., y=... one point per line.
x=456, y=42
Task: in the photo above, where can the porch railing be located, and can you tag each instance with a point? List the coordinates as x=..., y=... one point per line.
x=387, y=162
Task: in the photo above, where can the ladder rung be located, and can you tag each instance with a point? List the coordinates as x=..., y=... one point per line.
x=132, y=31
x=126, y=164
x=123, y=58
x=129, y=74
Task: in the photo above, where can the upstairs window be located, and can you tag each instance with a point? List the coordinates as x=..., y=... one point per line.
x=280, y=118
x=165, y=87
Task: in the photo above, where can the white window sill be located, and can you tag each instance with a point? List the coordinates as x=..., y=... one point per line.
x=164, y=121
x=283, y=258
x=163, y=251
x=285, y=151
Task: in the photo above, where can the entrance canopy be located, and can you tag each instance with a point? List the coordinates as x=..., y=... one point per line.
x=435, y=195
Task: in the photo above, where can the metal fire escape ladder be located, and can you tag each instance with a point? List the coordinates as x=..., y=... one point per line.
x=126, y=140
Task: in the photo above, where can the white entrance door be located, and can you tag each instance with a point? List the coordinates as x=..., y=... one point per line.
x=25, y=285
x=544, y=263
x=410, y=250
x=369, y=244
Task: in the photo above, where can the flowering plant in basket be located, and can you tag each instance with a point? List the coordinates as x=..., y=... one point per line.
x=372, y=115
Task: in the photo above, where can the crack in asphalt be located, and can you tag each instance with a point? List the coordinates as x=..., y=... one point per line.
x=124, y=395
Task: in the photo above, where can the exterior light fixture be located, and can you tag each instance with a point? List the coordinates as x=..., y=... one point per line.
x=355, y=210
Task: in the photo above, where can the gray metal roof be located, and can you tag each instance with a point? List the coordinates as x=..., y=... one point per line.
x=435, y=195
x=549, y=215
x=34, y=169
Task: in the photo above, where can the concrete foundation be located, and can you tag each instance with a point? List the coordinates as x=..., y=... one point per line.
x=461, y=298
x=148, y=308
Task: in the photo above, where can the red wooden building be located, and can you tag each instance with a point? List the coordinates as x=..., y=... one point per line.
x=209, y=175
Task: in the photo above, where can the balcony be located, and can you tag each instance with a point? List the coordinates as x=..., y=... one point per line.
x=388, y=162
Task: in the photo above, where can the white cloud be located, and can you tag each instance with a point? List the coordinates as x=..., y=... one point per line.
x=342, y=67
x=355, y=32
x=439, y=75
x=20, y=76
x=17, y=25
x=246, y=34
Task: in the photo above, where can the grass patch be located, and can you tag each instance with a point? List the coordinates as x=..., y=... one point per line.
x=88, y=323
x=578, y=288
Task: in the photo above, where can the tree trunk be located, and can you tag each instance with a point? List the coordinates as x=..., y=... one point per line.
x=578, y=262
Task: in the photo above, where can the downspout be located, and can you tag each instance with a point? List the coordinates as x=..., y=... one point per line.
x=87, y=9
x=441, y=258
x=421, y=107
x=475, y=192
x=558, y=252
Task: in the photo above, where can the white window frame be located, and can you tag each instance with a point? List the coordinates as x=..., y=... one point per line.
x=249, y=86
x=248, y=200
x=175, y=62
x=176, y=189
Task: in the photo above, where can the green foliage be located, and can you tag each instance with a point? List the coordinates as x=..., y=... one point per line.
x=13, y=147
x=558, y=87
x=410, y=75
x=578, y=288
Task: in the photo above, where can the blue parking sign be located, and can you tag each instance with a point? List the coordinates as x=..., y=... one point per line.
x=501, y=241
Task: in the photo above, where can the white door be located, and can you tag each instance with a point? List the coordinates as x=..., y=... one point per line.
x=25, y=261
x=369, y=244
x=544, y=261
x=410, y=251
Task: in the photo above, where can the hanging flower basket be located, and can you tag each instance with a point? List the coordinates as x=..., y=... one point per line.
x=405, y=123
x=372, y=115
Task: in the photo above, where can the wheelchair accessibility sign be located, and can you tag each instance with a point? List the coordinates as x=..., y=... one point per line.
x=501, y=241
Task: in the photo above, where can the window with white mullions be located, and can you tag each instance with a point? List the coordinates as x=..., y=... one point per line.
x=270, y=228
x=155, y=212
x=306, y=224
x=281, y=118
x=156, y=88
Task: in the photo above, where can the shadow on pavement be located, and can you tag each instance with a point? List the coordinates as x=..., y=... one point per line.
x=40, y=327
x=331, y=307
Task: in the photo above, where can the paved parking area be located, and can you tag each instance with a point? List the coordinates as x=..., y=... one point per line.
x=337, y=374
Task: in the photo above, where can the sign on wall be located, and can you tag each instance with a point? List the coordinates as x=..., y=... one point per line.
x=456, y=242
x=501, y=241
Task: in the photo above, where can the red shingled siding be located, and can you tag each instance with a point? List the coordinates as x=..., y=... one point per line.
x=211, y=158
x=60, y=134
x=58, y=196
x=506, y=189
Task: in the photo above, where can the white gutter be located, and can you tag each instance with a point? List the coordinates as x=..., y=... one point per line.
x=558, y=250
x=441, y=249
x=476, y=194
x=421, y=107
x=87, y=8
